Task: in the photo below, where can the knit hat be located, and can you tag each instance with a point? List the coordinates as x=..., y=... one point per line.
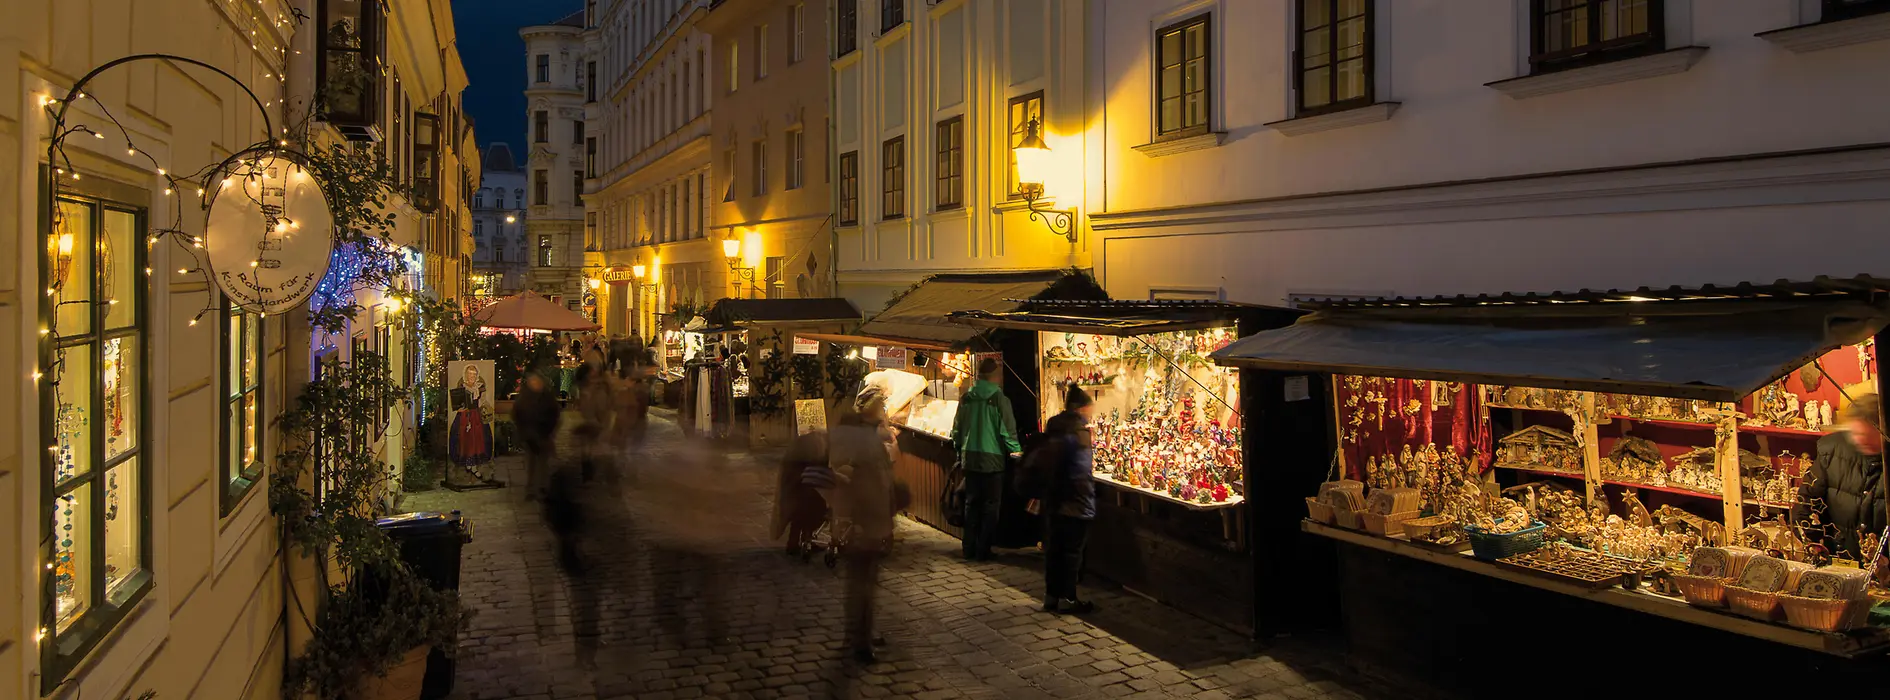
x=1076, y=398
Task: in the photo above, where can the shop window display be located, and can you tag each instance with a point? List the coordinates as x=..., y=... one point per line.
x=1167, y=419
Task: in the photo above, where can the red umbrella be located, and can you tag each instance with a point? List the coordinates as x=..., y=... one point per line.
x=528, y=310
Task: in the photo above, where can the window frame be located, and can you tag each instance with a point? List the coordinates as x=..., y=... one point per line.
x=239, y=479
x=1596, y=51
x=730, y=164
x=1206, y=21
x=541, y=72
x=846, y=37
x=577, y=188
x=541, y=187
x=590, y=80
x=577, y=132
x=797, y=32
x=541, y=126
x=590, y=156
x=948, y=190
x=734, y=66
x=892, y=13
x=848, y=213
x=372, y=54
x=1331, y=29
x=1014, y=189
x=761, y=51
x=796, y=157
x=892, y=178
x=426, y=152
x=758, y=167
x=545, y=250
x=101, y=617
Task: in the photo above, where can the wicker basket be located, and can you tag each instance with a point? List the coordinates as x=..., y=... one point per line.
x=1426, y=528
x=1825, y=614
x=1386, y=525
x=1491, y=546
x=1702, y=591
x=1318, y=512
x=1347, y=519
x=1757, y=605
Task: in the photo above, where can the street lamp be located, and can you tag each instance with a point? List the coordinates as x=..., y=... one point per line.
x=1033, y=166
x=732, y=252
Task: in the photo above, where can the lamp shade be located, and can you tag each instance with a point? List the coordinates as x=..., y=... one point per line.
x=1033, y=157
x=731, y=247
x=637, y=271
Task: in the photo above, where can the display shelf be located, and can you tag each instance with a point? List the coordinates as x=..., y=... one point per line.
x=1767, y=504
x=1864, y=642
x=1233, y=499
x=1665, y=489
x=1686, y=424
x=921, y=431
x=1550, y=472
x=1776, y=431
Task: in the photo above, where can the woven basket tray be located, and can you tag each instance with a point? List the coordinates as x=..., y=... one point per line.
x=1425, y=528
x=1825, y=614
x=1386, y=525
x=1318, y=512
x=1347, y=519
x=1757, y=605
x=1702, y=591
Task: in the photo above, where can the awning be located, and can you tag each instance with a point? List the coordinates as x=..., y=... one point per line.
x=1123, y=318
x=1708, y=350
x=861, y=340
x=530, y=311
x=753, y=311
x=920, y=315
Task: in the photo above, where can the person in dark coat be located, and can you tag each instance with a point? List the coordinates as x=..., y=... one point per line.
x=535, y=412
x=1071, y=504
x=798, y=507
x=1844, y=488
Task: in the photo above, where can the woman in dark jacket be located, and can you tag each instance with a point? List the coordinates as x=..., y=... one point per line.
x=1845, y=485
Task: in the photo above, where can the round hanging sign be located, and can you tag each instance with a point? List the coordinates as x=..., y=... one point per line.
x=270, y=234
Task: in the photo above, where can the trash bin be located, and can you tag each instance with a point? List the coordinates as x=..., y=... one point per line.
x=430, y=544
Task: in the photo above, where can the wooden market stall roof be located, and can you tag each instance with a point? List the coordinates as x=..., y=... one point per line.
x=1708, y=343
x=1121, y=317
x=731, y=312
x=921, y=314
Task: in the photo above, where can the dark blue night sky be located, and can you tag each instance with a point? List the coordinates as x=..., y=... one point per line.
x=494, y=58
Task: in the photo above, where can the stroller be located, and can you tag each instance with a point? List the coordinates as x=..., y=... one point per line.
x=829, y=539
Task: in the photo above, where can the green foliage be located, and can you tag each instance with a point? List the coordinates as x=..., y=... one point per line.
x=844, y=373
x=767, y=385
x=807, y=376
x=366, y=626
x=359, y=187
x=419, y=472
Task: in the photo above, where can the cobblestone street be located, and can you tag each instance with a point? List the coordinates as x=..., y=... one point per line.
x=756, y=623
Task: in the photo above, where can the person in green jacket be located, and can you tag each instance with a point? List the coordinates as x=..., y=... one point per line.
x=984, y=432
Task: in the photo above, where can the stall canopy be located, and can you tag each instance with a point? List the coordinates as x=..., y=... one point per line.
x=732, y=312
x=1121, y=317
x=1715, y=344
x=920, y=316
x=529, y=311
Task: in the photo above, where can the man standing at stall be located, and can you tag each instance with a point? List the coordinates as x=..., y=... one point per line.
x=1845, y=485
x=984, y=432
x=1071, y=504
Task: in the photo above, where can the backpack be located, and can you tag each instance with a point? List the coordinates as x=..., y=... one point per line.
x=952, y=503
x=1043, y=453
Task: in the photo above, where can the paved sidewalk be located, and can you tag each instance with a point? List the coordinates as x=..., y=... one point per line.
x=754, y=623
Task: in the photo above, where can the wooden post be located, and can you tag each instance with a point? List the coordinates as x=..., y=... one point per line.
x=1883, y=336
x=1591, y=448
x=1726, y=456
x=1338, y=428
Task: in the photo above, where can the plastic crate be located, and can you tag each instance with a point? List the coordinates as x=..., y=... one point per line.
x=1491, y=546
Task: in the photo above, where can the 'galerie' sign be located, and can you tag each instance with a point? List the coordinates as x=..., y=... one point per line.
x=269, y=235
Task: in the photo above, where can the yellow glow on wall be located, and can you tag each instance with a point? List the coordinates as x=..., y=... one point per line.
x=752, y=252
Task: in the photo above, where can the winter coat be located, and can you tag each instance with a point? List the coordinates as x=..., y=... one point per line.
x=1850, y=485
x=1074, y=491
x=862, y=456
x=984, y=431
x=536, y=415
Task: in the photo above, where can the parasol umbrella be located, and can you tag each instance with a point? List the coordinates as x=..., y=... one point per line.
x=530, y=311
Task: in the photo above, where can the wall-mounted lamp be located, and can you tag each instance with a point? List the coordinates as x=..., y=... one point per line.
x=510, y=219
x=637, y=270
x=594, y=282
x=732, y=252
x=1033, y=166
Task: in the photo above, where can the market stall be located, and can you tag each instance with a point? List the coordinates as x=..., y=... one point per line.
x=774, y=373
x=914, y=337
x=1628, y=456
x=713, y=375
x=1169, y=431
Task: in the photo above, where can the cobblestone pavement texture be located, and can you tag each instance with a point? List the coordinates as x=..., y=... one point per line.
x=751, y=622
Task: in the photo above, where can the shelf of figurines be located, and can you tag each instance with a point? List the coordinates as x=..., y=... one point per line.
x=1228, y=496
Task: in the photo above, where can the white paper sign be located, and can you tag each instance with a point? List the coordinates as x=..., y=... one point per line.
x=269, y=235
x=803, y=346
x=890, y=358
x=1298, y=388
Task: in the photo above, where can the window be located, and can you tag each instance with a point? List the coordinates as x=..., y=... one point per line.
x=544, y=251
x=426, y=162
x=1836, y=10
x=850, y=188
x=1573, y=33
x=796, y=158
x=577, y=132
x=349, y=73
x=518, y=195
x=577, y=188
x=479, y=229
x=590, y=81
x=1182, y=95
x=949, y=169
x=93, y=414
x=1024, y=110
x=892, y=13
x=501, y=195
x=797, y=32
x=776, y=268
x=541, y=187
x=590, y=157
x=758, y=155
x=479, y=199
x=847, y=29
x=498, y=249
x=734, y=65
x=1334, y=56
x=728, y=166
x=544, y=68
x=242, y=403
x=761, y=51
x=892, y=178
x=683, y=203
x=541, y=126
x=702, y=188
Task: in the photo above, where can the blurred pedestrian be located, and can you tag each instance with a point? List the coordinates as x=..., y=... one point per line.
x=630, y=405
x=984, y=432
x=861, y=450
x=595, y=412
x=535, y=413
x=682, y=505
x=798, y=507
x=1071, y=504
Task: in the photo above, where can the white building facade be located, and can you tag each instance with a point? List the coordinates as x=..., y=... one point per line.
x=501, y=258
x=555, y=169
x=928, y=100
x=1272, y=150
